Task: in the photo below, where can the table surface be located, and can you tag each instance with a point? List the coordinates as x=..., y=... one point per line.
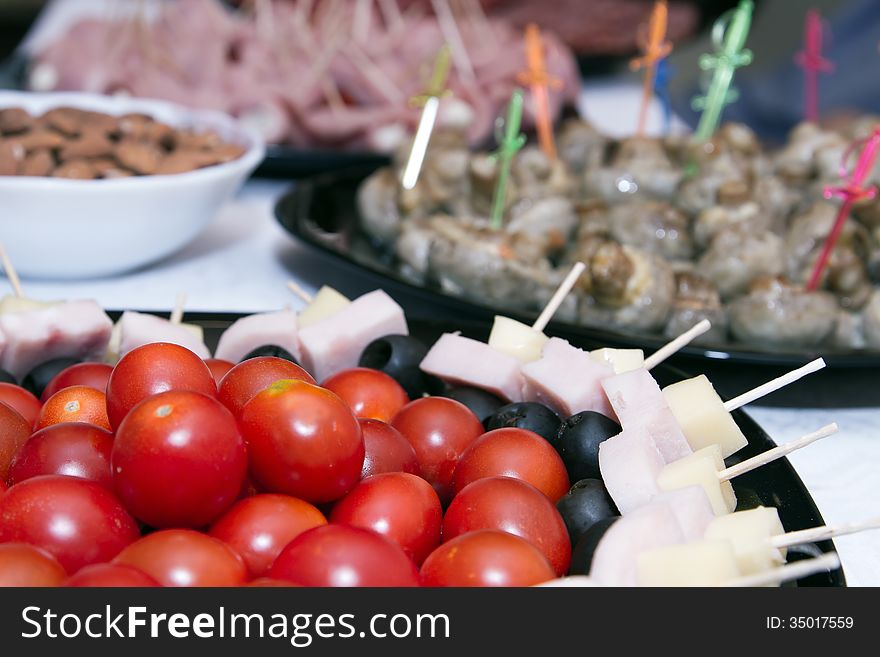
x=242, y=262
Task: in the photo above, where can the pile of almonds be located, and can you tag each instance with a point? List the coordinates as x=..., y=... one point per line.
x=66, y=142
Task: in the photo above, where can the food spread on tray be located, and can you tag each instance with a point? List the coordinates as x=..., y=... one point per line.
x=311, y=75
x=672, y=230
x=462, y=449
x=68, y=142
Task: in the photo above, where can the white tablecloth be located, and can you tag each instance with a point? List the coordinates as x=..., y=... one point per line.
x=242, y=262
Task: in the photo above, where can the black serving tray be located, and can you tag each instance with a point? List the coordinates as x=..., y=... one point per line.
x=776, y=484
x=321, y=213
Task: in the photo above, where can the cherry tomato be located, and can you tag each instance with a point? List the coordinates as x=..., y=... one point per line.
x=14, y=432
x=21, y=400
x=110, y=575
x=259, y=527
x=219, y=368
x=94, y=375
x=184, y=557
x=487, y=557
x=178, y=460
x=75, y=449
x=77, y=521
x=151, y=369
x=369, y=393
x=439, y=430
x=518, y=453
x=513, y=506
x=254, y=375
x=74, y=404
x=26, y=565
x=401, y=506
x=338, y=555
x=303, y=441
x=386, y=450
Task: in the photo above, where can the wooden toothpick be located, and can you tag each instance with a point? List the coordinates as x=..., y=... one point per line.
x=774, y=385
x=294, y=287
x=176, y=316
x=558, y=297
x=11, y=274
x=776, y=453
x=673, y=346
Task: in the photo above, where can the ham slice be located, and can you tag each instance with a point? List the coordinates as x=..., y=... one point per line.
x=137, y=329
x=72, y=329
x=630, y=464
x=567, y=379
x=463, y=361
x=336, y=343
x=248, y=333
x=640, y=405
x=692, y=510
x=614, y=561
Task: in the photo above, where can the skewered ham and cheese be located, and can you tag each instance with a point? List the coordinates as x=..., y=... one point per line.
x=246, y=334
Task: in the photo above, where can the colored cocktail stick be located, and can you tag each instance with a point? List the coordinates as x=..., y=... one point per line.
x=654, y=48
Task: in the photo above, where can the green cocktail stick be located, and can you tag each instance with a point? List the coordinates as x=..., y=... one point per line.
x=729, y=36
x=510, y=143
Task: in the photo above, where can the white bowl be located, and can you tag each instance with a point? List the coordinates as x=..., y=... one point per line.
x=60, y=228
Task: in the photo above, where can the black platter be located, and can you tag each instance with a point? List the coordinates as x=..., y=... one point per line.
x=776, y=484
x=321, y=213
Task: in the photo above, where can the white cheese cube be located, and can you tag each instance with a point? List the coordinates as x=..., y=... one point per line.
x=516, y=339
x=749, y=533
x=701, y=469
x=325, y=303
x=622, y=360
x=702, y=416
x=704, y=563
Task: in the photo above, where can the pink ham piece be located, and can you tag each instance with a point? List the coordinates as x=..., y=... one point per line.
x=640, y=405
x=73, y=329
x=648, y=528
x=691, y=508
x=463, y=361
x=137, y=329
x=248, y=333
x=336, y=343
x=630, y=463
x=567, y=379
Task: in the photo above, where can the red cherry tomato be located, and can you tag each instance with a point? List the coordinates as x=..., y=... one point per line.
x=369, y=393
x=74, y=404
x=439, y=430
x=14, y=432
x=26, y=565
x=178, y=460
x=151, y=369
x=487, y=557
x=110, y=575
x=219, y=368
x=254, y=375
x=20, y=400
x=303, y=441
x=386, y=450
x=75, y=449
x=338, y=555
x=78, y=522
x=401, y=506
x=94, y=375
x=518, y=453
x=183, y=557
x=259, y=527
x=513, y=506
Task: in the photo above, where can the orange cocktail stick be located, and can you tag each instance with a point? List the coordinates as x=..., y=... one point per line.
x=654, y=48
x=540, y=82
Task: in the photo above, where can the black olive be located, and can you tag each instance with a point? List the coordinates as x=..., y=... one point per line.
x=38, y=378
x=399, y=356
x=483, y=404
x=585, y=504
x=582, y=555
x=528, y=415
x=271, y=350
x=578, y=443
x=6, y=377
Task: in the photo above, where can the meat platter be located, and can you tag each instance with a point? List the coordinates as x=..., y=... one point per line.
x=321, y=212
x=776, y=484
